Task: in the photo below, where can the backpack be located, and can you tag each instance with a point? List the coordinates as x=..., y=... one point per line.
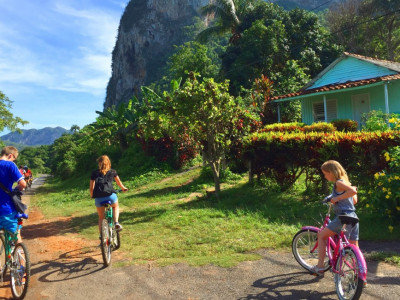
x=103, y=186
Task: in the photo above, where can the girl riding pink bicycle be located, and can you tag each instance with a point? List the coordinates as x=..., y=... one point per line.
x=344, y=196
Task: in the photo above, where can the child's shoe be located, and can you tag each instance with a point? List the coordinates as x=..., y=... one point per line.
x=317, y=271
x=118, y=226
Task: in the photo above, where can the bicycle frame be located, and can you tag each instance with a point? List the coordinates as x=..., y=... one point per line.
x=337, y=244
x=108, y=214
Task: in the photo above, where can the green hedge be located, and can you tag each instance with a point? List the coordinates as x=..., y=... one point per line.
x=285, y=156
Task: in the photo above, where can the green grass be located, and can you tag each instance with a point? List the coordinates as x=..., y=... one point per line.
x=168, y=218
x=389, y=257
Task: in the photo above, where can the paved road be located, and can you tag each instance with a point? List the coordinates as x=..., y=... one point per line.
x=79, y=274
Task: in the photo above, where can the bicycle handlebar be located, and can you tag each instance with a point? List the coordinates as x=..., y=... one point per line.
x=327, y=199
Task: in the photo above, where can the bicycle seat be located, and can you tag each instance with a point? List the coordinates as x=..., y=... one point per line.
x=348, y=220
x=104, y=203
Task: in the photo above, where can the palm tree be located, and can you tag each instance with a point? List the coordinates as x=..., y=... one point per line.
x=75, y=128
x=226, y=13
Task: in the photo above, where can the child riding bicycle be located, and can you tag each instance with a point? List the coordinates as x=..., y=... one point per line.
x=101, y=189
x=344, y=196
x=9, y=174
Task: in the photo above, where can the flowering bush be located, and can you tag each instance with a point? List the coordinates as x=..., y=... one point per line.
x=319, y=127
x=345, y=125
x=377, y=120
x=385, y=196
x=298, y=127
x=285, y=156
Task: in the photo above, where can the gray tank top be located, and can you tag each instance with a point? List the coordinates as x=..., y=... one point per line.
x=343, y=206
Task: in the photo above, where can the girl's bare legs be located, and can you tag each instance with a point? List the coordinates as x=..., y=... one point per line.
x=322, y=240
x=115, y=208
x=100, y=212
x=353, y=242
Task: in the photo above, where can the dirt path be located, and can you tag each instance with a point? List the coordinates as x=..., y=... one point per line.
x=64, y=266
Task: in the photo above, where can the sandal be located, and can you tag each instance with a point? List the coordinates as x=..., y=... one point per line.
x=316, y=271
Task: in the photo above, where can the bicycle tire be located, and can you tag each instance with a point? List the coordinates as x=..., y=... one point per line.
x=347, y=282
x=302, y=244
x=20, y=271
x=3, y=256
x=105, y=243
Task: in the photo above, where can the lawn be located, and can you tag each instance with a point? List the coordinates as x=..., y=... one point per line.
x=172, y=218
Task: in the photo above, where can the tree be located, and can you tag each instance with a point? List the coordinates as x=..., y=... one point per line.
x=114, y=124
x=7, y=119
x=287, y=47
x=206, y=112
x=370, y=27
x=193, y=57
x=75, y=128
x=227, y=14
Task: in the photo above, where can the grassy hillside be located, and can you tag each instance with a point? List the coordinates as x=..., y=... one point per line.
x=171, y=218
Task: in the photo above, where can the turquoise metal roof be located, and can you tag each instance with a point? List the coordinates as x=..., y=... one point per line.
x=350, y=69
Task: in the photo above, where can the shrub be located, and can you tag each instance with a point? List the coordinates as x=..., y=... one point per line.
x=345, y=125
x=319, y=127
x=283, y=127
x=375, y=120
x=286, y=156
x=385, y=194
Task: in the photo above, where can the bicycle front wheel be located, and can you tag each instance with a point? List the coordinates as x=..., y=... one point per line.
x=20, y=271
x=348, y=284
x=105, y=243
x=305, y=249
x=3, y=257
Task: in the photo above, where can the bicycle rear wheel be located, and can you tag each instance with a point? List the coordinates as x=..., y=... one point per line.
x=105, y=243
x=348, y=284
x=20, y=271
x=305, y=249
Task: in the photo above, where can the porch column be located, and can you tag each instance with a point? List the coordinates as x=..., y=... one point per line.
x=279, y=113
x=386, y=98
x=325, y=112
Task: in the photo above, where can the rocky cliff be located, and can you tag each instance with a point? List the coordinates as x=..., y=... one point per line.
x=147, y=33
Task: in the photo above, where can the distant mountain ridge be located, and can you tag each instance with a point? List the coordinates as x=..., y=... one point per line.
x=35, y=137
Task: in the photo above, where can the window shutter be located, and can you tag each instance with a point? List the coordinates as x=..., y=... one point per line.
x=319, y=112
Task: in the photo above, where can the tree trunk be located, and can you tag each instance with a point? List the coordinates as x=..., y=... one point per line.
x=215, y=167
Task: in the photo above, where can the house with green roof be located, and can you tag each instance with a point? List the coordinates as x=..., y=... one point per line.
x=349, y=87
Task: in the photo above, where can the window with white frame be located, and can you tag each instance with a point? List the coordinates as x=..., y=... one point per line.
x=319, y=111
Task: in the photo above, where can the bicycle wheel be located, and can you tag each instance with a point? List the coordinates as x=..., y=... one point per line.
x=3, y=257
x=105, y=243
x=348, y=284
x=20, y=271
x=305, y=249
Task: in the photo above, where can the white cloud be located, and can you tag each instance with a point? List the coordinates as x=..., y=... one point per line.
x=69, y=48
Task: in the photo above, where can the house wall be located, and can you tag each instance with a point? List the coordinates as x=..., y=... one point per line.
x=351, y=69
x=345, y=102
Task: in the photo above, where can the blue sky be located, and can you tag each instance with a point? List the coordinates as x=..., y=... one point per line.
x=55, y=58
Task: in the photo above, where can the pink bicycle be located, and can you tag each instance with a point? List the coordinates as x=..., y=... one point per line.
x=345, y=260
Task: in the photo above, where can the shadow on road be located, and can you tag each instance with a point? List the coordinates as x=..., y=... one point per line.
x=70, y=265
x=284, y=287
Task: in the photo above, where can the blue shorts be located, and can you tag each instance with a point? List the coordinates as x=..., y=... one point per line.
x=9, y=222
x=113, y=198
x=352, y=232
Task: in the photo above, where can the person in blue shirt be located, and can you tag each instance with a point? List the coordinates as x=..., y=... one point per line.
x=9, y=174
